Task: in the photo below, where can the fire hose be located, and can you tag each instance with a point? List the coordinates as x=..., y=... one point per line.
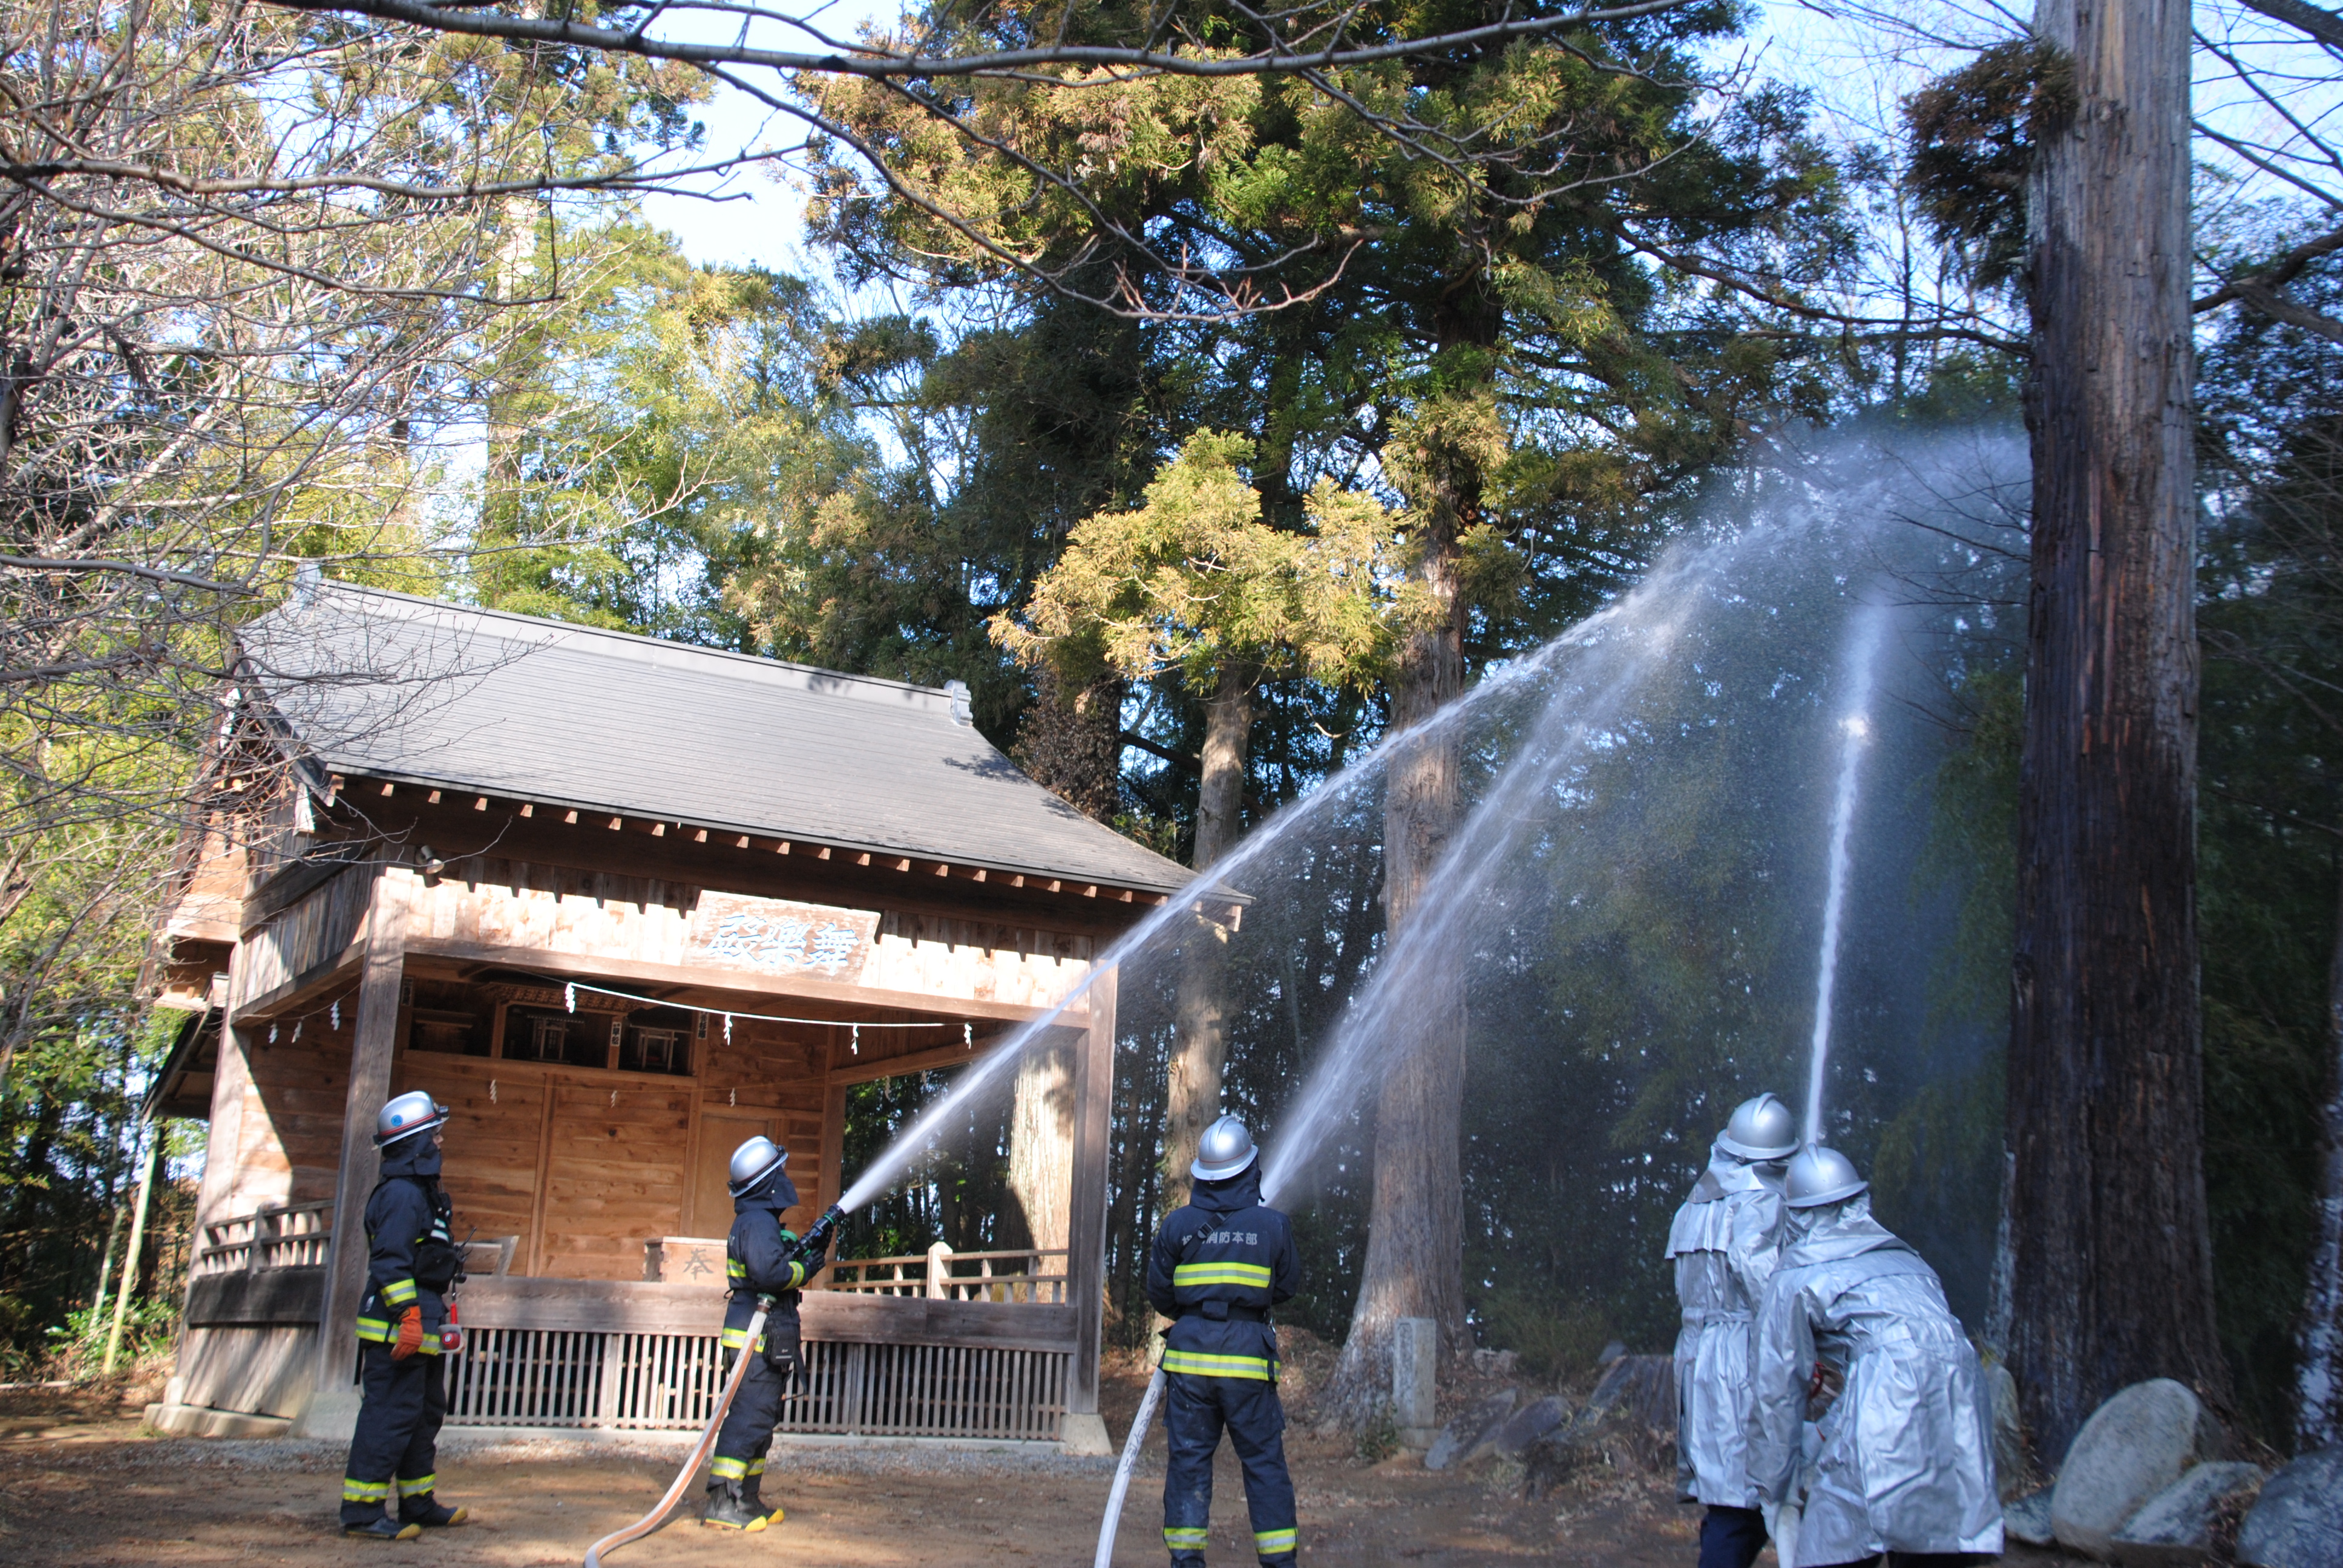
x=816, y=1240
x=1139, y=1425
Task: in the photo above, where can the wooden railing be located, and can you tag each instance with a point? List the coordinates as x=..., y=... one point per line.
x=297, y=1236
x=942, y=1274
x=586, y=1353
x=541, y=1378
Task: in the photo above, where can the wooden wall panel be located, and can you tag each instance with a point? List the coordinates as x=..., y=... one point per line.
x=495, y=1140
x=776, y=1068
x=491, y=901
x=289, y=1138
x=614, y=1175
x=982, y=961
x=315, y=929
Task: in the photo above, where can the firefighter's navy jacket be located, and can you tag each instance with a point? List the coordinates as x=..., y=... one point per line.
x=406, y=1210
x=758, y=1262
x=1218, y=1266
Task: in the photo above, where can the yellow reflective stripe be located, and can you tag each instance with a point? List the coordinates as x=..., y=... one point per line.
x=1198, y=1364
x=398, y=1292
x=729, y=1469
x=1221, y=1273
x=1269, y=1543
x=418, y=1486
x=733, y=1338
x=1180, y=1538
x=382, y=1334
x=756, y=1467
x=797, y=1275
x=357, y=1490
x=734, y=1269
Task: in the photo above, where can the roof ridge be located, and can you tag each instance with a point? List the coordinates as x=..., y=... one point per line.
x=751, y=662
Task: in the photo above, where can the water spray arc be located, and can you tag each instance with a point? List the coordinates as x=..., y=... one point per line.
x=1855, y=738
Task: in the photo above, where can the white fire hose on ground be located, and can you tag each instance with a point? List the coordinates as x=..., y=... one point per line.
x=699, y=1450
x=1131, y=1445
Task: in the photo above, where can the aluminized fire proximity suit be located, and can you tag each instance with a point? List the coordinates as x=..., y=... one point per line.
x=1906, y=1459
x=1723, y=1244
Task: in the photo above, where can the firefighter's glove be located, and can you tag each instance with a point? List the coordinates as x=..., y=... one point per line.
x=410, y=1335
x=1824, y=1389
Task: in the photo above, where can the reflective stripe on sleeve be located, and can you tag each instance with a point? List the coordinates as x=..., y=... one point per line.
x=418, y=1486
x=1223, y=1273
x=399, y=1293
x=1269, y=1542
x=729, y=1469
x=357, y=1490
x=1198, y=1364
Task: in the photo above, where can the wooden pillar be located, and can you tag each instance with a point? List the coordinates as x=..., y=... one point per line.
x=1086, y=1223
x=830, y=1184
x=370, y=1051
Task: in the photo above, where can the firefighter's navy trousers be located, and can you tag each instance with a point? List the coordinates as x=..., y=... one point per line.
x=1195, y=1410
x=742, y=1442
x=397, y=1435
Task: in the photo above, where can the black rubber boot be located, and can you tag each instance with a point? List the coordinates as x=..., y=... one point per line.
x=381, y=1527
x=771, y=1513
x=425, y=1511
x=728, y=1509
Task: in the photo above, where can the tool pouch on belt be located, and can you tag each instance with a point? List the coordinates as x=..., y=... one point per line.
x=784, y=1350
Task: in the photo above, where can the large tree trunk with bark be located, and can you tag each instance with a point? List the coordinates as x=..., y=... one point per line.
x=1201, y=1045
x=1415, y=1263
x=1041, y=1144
x=2111, y=1260
x=2319, y=1383
x=1071, y=741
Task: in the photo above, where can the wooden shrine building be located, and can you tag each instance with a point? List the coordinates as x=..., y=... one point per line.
x=619, y=903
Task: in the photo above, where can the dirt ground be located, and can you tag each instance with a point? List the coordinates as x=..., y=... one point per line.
x=79, y=1486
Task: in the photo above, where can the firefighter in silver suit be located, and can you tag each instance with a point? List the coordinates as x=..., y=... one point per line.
x=1905, y=1465
x=1723, y=1244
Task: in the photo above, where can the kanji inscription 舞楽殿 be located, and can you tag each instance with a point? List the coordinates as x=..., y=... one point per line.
x=775, y=937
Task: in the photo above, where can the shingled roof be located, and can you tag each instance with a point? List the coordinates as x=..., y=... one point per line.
x=389, y=686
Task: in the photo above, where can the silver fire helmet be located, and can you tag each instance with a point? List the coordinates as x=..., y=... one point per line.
x=1224, y=1151
x=1761, y=1130
x=755, y=1160
x=405, y=1115
x=1820, y=1176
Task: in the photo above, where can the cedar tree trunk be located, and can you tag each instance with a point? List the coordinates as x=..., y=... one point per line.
x=2318, y=1386
x=1201, y=1044
x=2111, y=1260
x=1414, y=1264
x=1041, y=1144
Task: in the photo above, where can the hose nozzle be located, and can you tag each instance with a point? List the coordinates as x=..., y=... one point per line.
x=816, y=1238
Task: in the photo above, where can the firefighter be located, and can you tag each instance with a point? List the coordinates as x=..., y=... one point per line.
x=761, y=1258
x=1724, y=1245
x=1854, y=1315
x=1218, y=1265
x=411, y=1263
